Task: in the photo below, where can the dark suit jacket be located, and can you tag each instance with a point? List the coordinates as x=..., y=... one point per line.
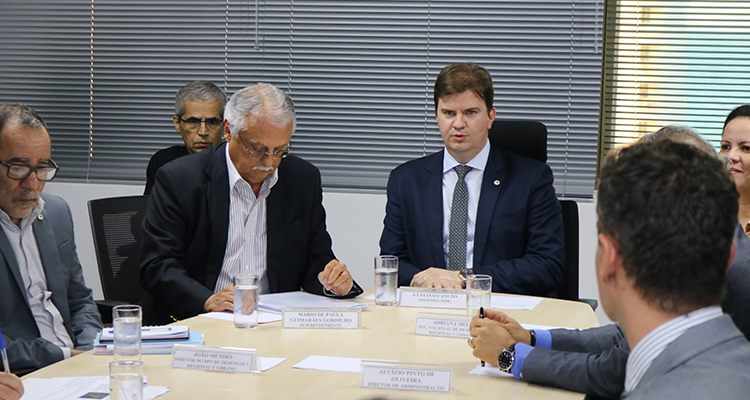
x=737, y=297
x=57, y=251
x=518, y=237
x=160, y=158
x=186, y=225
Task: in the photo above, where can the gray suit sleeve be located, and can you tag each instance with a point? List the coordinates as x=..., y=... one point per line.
x=85, y=321
x=590, y=361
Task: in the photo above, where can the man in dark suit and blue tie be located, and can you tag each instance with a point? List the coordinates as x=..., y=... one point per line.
x=472, y=205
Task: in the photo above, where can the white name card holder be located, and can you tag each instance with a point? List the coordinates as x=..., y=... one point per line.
x=404, y=376
x=444, y=325
x=432, y=298
x=218, y=359
x=321, y=318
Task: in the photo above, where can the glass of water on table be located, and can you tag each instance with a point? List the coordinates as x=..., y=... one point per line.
x=478, y=293
x=245, y=301
x=127, y=328
x=386, y=280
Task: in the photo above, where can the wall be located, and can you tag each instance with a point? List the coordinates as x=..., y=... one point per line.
x=354, y=222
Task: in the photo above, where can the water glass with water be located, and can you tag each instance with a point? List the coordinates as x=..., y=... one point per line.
x=127, y=326
x=386, y=280
x=245, y=301
x=478, y=293
x=126, y=380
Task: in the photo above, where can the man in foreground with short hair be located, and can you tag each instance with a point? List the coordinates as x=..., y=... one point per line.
x=198, y=118
x=667, y=216
x=473, y=206
x=246, y=206
x=47, y=313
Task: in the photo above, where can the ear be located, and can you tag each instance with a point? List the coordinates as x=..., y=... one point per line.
x=176, y=121
x=227, y=132
x=492, y=118
x=610, y=262
x=732, y=253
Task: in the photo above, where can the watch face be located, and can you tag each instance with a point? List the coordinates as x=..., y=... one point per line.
x=505, y=361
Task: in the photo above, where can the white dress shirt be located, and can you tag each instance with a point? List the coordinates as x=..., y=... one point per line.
x=246, y=240
x=474, y=185
x=654, y=343
x=47, y=316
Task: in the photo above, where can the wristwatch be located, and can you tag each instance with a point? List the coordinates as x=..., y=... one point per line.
x=464, y=274
x=506, y=358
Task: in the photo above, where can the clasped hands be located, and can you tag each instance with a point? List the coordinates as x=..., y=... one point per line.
x=437, y=278
x=334, y=277
x=493, y=333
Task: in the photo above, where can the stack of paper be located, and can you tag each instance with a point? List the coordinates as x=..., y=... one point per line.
x=277, y=301
x=172, y=332
x=149, y=346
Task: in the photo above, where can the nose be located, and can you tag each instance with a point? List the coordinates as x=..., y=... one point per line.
x=733, y=155
x=32, y=182
x=203, y=128
x=459, y=122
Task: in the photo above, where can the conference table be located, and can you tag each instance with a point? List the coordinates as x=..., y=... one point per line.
x=386, y=333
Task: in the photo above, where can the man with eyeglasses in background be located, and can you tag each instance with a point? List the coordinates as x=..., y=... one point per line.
x=199, y=118
x=246, y=206
x=46, y=311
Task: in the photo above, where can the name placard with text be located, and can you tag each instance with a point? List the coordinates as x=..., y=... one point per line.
x=218, y=359
x=403, y=376
x=321, y=318
x=444, y=325
x=432, y=298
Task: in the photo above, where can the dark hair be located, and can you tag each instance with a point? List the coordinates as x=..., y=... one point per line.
x=458, y=78
x=672, y=209
x=741, y=111
x=20, y=114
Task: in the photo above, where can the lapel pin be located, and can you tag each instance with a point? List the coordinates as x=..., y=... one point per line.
x=40, y=217
x=497, y=183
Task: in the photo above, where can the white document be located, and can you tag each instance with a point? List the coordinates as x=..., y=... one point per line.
x=277, y=301
x=72, y=388
x=489, y=370
x=152, y=333
x=263, y=317
x=515, y=303
x=267, y=363
x=337, y=364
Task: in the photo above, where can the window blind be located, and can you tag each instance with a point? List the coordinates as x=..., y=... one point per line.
x=673, y=62
x=360, y=73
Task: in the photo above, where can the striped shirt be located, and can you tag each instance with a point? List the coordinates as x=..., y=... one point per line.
x=646, y=351
x=246, y=240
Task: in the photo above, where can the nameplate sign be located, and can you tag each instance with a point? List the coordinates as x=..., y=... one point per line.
x=444, y=325
x=433, y=298
x=417, y=377
x=218, y=359
x=321, y=318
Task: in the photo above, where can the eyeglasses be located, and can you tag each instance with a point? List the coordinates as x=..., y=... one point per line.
x=193, y=124
x=20, y=172
x=258, y=154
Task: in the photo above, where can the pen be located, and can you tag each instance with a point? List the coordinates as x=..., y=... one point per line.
x=5, y=354
x=481, y=315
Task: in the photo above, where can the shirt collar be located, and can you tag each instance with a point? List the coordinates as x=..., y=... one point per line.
x=235, y=176
x=479, y=161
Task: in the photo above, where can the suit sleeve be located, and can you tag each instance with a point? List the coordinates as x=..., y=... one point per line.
x=163, y=251
x=393, y=239
x=539, y=271
x=590, y=361
x=150, y=176
x=320, y=252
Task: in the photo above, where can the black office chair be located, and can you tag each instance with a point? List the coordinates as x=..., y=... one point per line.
x=116, y=227
x=529, y=139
